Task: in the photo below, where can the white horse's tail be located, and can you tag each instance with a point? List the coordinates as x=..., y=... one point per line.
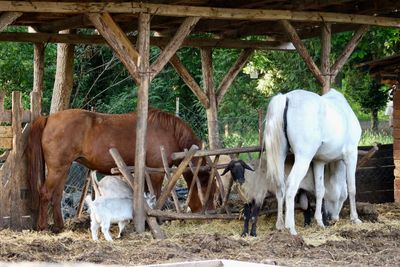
x=275, y=138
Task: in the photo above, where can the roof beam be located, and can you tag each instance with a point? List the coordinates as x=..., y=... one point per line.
x=156, y=41
x=194, y=11
x=69, y=23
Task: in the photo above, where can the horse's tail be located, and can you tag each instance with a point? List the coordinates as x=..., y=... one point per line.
x=275, y=141
x=36, y=159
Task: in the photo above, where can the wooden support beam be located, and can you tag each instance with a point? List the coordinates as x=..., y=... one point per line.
x=174, y=44
x=118, y=40
x=212, y=110
x=175, y=177
x=155, y=41
x=325, y=53
x=232, y=73
x=349, y=48
x=195, y=182
x=302, y=50
x=83, y=195
x=210, y=182
x=7, y=18
x=142, y=114
x=189, y=80
x=195, y=11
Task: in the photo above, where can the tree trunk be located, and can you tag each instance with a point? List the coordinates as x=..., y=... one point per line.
x=64, y=77
x=374, y=125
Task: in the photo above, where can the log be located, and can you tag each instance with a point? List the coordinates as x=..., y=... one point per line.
x=7, y=18
x=83, y=195
x=325, y=53
x=214, y=152
x=38, y=67
x=195, y=182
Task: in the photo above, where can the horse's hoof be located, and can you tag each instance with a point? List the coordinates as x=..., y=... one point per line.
x=292, y=232
x=356, y=221
x=320, y=223
x=56, y=229
x=253, y=234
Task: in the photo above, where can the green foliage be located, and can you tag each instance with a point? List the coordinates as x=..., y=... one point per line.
x=369, y=138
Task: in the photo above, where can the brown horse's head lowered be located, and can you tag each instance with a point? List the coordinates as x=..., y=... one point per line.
x=86, y=137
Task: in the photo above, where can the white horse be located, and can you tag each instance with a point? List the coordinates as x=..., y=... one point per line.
x=315, y=128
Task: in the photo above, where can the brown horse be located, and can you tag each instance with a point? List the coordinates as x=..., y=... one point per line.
x=86, y=137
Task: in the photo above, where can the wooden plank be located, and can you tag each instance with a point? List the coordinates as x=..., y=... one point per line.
x=302, y=50
x=174, y=44
x=232, y=73
x=349, y=48
x=118, y=40
x=83, y=194
x=195, y=182
x=141, y=126
x=7, y=18
x=175, y=177
x=194, y=11
x=155, y=41
x=6, y=132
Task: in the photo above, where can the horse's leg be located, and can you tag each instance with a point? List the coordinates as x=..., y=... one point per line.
x=351, y=165
x=280, y=196
x=52, y=191
x=296, y=175
x=246, y=218
x=318, y=167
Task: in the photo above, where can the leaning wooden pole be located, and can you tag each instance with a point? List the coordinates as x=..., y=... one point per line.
x=142, y=113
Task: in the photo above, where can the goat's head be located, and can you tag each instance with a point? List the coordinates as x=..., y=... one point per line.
x=237, y=168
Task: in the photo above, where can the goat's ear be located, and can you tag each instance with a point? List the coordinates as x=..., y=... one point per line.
x=246, y=166
x=228, y=168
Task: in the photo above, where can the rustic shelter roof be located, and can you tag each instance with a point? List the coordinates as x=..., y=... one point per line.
x=222, y=20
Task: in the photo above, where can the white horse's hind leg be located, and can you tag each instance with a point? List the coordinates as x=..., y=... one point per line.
x=351, y=165
x=280, y=195
x=296, y=175
x=318, y=167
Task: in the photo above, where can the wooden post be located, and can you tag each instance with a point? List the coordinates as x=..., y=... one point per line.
x=6, y=18
x=212, y=110
x=210, y=181
x=142, y=113
x=83, y=194
x=16, y=179
x=195, y=182
x=64, y=77
x=325, y=53
x=35, y=105
x=38, y=68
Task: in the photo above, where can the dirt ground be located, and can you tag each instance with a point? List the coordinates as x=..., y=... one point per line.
x=376, y=242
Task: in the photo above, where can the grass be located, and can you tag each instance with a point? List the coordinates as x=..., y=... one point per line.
x=369, y=138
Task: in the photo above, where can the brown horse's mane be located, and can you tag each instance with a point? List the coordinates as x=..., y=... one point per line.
x=182, y=131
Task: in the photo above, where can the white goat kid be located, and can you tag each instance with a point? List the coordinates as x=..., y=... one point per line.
x=104, y=211
x=318, y=129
